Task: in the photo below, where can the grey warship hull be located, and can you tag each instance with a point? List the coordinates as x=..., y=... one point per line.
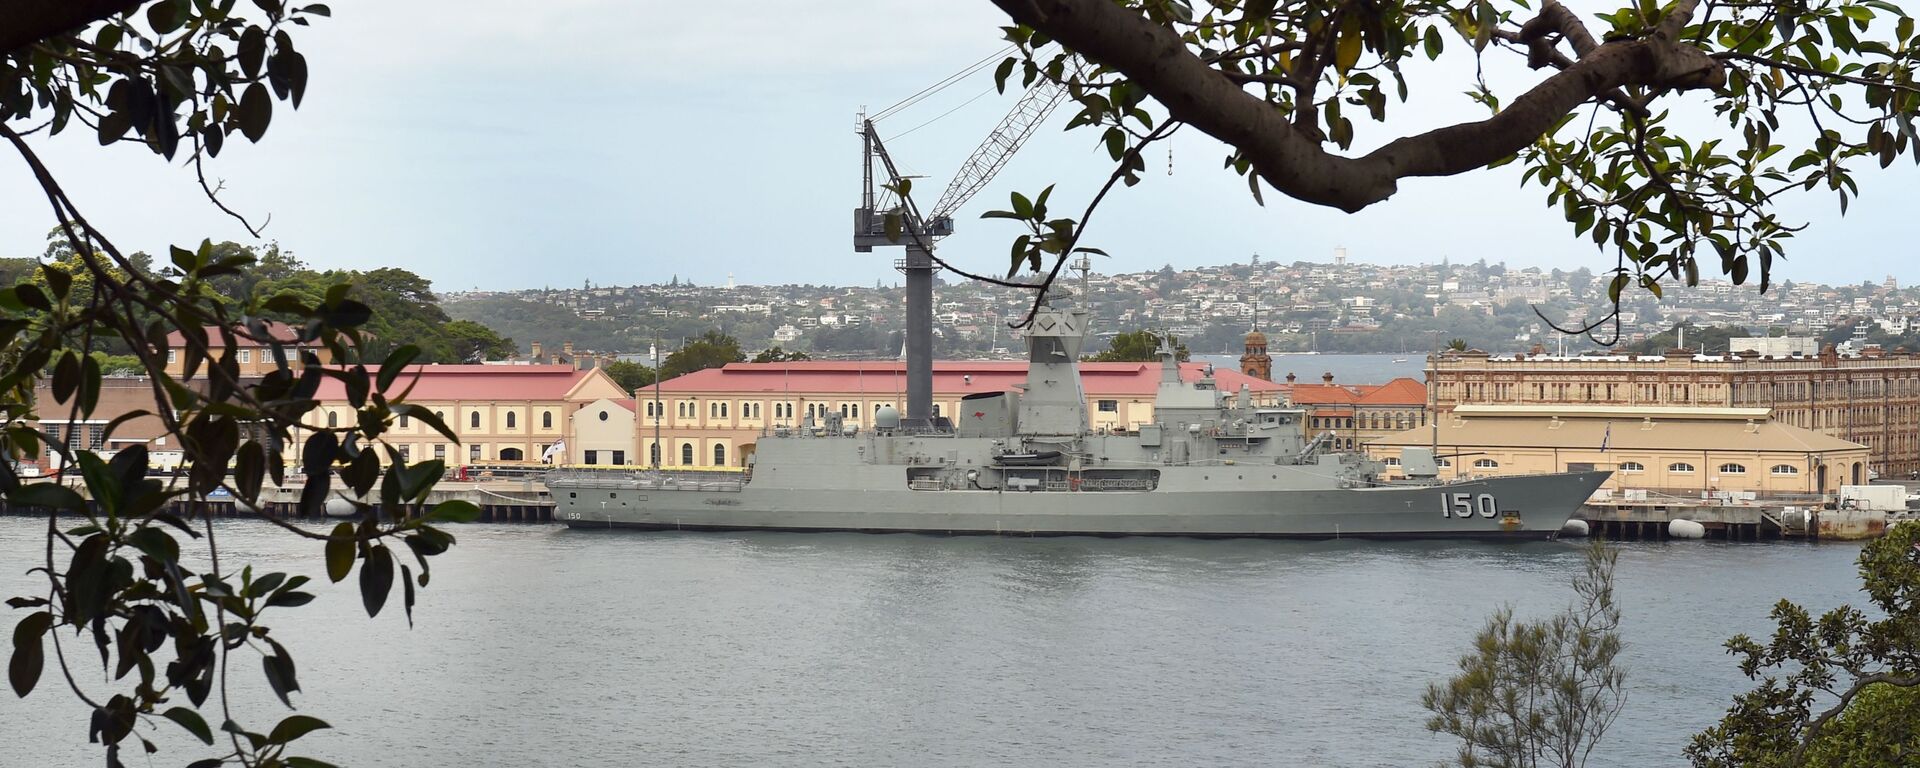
x=1527, y=507
x=1026, y=463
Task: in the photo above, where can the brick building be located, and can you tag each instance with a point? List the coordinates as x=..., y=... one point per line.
x=1872, y=398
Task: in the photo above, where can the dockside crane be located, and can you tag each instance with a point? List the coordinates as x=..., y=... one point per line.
x=918, y=233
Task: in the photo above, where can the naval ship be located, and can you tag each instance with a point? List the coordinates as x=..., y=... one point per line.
x=1026, y=463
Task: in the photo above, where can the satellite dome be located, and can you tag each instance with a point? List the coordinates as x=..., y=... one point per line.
x=886, y=417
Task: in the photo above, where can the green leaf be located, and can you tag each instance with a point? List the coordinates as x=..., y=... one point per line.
x=395, y=364
x=191, y=721
x=454, y=511
x=376, y=579
x=53, y=495
x=156, y=543
x=256, y=110
x=308, y=762
x=340, y=552
x=295, y=727
x=23, y=671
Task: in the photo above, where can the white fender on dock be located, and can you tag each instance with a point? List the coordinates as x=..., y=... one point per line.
x=1575, y=528
x=339, y=507
x=1686, y=529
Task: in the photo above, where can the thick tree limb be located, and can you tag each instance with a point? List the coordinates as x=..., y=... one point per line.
x=29, y=21
x=1154, y=57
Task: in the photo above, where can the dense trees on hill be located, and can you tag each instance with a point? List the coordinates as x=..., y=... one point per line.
x=1135, y=346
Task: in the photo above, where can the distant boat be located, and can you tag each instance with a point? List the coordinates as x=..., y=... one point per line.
x=1399, y=359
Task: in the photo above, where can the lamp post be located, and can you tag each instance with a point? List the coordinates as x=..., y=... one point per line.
x=659, y=411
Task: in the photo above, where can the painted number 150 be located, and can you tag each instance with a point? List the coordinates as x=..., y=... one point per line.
x=1466, y=504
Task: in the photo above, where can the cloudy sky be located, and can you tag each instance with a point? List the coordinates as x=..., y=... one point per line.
x=628, y=142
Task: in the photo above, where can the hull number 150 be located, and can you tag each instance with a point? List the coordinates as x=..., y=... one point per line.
x=1467, y=504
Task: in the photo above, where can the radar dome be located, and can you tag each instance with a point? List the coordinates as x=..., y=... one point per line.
x=886, y=417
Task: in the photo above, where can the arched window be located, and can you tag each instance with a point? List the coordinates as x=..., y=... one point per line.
x=473, y=419
x=653, y=452
x=510, y=419
x=333, y=419
x=1632, y=466
x=1733, y=469
x=1785, y=469
x=546, y=419
x=1392, y=461
x=686, y=453
x=719, y=454
x=1485, y=464
x=1443, y=462
x=1680, y=467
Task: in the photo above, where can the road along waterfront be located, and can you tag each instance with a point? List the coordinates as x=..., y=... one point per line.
x=544, y=646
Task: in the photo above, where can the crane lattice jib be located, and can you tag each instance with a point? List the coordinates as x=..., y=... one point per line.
x=992, y=155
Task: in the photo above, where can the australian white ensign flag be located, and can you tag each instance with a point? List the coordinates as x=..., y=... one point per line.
x=559, y=448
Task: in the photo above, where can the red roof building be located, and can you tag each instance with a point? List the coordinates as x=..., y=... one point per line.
x=1359, y=414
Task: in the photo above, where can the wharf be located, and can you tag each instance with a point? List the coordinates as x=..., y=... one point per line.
x=1730, y=519
x=500, y=501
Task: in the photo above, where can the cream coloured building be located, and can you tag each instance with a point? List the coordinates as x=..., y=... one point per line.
x=712, y=418
x=501, y=413
x=1669, y=450
x=603, y=434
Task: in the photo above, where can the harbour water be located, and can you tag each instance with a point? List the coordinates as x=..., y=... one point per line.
x=536, y=645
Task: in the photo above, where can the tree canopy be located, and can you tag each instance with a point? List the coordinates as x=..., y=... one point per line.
x=630, y=376
x=1136, y=346
x=711, y=350
x=1666, y=133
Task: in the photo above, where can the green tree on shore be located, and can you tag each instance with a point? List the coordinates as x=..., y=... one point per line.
x=711, y=350
x=1136, y=347
x=630, y=376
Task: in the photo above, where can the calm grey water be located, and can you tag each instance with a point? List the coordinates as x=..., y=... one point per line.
x=1346, y=369
x=541, y=646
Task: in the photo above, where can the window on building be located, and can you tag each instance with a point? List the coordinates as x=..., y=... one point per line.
x=1680, y=467
x=246, y=355
x=653, y=452
x=440, y=451
x=1443, y=462
x=406, y=453
x=473, y=453
x=473, y=420
x=546, y=419
x=1109, y=406
x=333, y=419
x=403, y=421
x=936, y=410
x=510, y=419
x=1391, y=461
x=172, y=354
x=1733, y=469
x=719, y=454
x=1785, y=469
x=686, y=453
x=1632, y=466
x=592, y=457
x=1485, y=464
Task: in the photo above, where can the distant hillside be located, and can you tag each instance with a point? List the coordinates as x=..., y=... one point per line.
x=526, y=322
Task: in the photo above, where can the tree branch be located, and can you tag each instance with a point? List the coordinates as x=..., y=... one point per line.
x=30, y=21
x=1156, y=58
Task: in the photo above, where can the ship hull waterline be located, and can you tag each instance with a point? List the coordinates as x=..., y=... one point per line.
x=1530, y=507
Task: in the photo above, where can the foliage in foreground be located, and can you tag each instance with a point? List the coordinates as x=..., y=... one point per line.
x=1539, y=693
x=1837, y=690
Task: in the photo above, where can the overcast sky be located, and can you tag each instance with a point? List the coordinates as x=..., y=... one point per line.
x=498, y=147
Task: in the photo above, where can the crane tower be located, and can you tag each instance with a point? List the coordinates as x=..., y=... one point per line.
x=886, y=218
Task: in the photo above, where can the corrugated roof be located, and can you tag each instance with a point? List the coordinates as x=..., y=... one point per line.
x=1622, y=435
x=278, y=330
x=1615, y=412
x=477, y=382
x=950, y=377
x=1400, y=391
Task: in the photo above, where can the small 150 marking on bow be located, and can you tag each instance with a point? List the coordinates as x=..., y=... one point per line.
x=1464, y=505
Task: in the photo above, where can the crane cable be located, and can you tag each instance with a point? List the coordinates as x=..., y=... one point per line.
x=941, y=85
x=976, y=97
